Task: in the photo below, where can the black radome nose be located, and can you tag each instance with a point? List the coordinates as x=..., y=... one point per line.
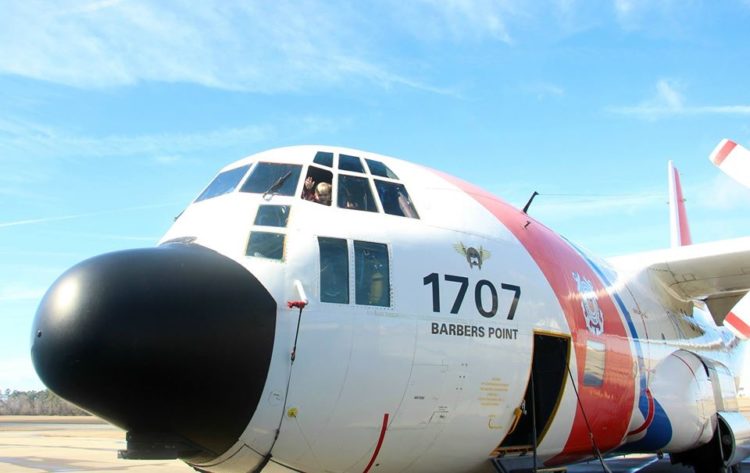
x=174, y=341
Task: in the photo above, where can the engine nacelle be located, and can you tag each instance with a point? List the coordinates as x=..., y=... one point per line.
x=681, y=385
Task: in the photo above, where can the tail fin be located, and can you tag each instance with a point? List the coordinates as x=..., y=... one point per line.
x=733, y=159
x=678, y=223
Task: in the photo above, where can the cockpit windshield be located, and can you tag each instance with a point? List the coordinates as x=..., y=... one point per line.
x=224, y=183
x=273, y=179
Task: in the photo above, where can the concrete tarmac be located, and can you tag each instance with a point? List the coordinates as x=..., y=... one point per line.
x=69, y=444
x=72, y=444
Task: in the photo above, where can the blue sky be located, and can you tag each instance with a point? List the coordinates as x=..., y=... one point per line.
x=114, y=114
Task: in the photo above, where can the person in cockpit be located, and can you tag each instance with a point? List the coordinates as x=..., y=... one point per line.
x=323, y=193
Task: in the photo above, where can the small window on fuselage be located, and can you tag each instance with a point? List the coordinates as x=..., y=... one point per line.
x=354, y=193
x=266, y=245
x=272, y=215
x=224, y=183
x=317, y=186
x=372, y=274
x=273, y=179
x=395, y=199
x=334, y=270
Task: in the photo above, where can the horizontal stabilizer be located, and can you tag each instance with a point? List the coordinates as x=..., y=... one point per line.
x=734, y=160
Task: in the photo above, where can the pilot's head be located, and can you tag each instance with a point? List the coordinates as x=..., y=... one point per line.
x=323, y=193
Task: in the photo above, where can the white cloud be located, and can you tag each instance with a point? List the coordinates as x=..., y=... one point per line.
x=250, y=46
x=668, y=101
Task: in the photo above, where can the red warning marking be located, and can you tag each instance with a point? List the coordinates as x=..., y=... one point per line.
x=738, y=324
x=380, y=443
x=724, y=152
x=681, y=214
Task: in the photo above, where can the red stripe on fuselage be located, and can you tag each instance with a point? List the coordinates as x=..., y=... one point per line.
x=608, y=407
x=649, y=417
x=724, y=152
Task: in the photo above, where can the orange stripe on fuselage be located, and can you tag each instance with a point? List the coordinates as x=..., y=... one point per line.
x=609, y=406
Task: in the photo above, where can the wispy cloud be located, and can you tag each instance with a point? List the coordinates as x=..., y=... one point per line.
x=34, y=221
x=264, y=47
x=668, y=101
x=458, y=20
x=28, y=137
x=557, y=207
x=544, y=90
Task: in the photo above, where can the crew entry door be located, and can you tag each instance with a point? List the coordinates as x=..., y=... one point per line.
x=543, y=393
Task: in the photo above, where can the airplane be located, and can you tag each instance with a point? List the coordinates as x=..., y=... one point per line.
x=325, y=309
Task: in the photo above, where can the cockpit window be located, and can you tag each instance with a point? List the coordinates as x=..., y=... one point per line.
x=372, y=276
x=224, y=183
x=266, y=245
x=355, y=193
x=272, y=215
x=317, y=186
x=273, y=179
x=350, y=163
x=395, y=199
x=379, y=169
x=324, y=159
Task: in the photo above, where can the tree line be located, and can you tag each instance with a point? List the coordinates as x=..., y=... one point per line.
x=29, y=403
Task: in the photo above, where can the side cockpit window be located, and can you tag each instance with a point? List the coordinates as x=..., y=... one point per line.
x=372, y=275
x=354, y=193
x=334, y=270
x=224, y=183
x=317, y=186
x=395, y=199
x=273, y=179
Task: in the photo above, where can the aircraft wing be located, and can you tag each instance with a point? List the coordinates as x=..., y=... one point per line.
x=717, y=272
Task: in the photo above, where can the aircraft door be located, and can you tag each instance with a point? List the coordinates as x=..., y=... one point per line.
x=543, y=393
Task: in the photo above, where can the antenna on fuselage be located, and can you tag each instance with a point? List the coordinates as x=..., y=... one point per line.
x=528, y=204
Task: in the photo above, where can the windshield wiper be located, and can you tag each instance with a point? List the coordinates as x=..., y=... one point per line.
x=277, y=184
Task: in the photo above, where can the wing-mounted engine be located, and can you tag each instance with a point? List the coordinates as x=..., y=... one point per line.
x=681, y=407
x=723, y=438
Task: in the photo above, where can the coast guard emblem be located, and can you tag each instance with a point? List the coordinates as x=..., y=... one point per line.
x=590, y=305
x=473, y=256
